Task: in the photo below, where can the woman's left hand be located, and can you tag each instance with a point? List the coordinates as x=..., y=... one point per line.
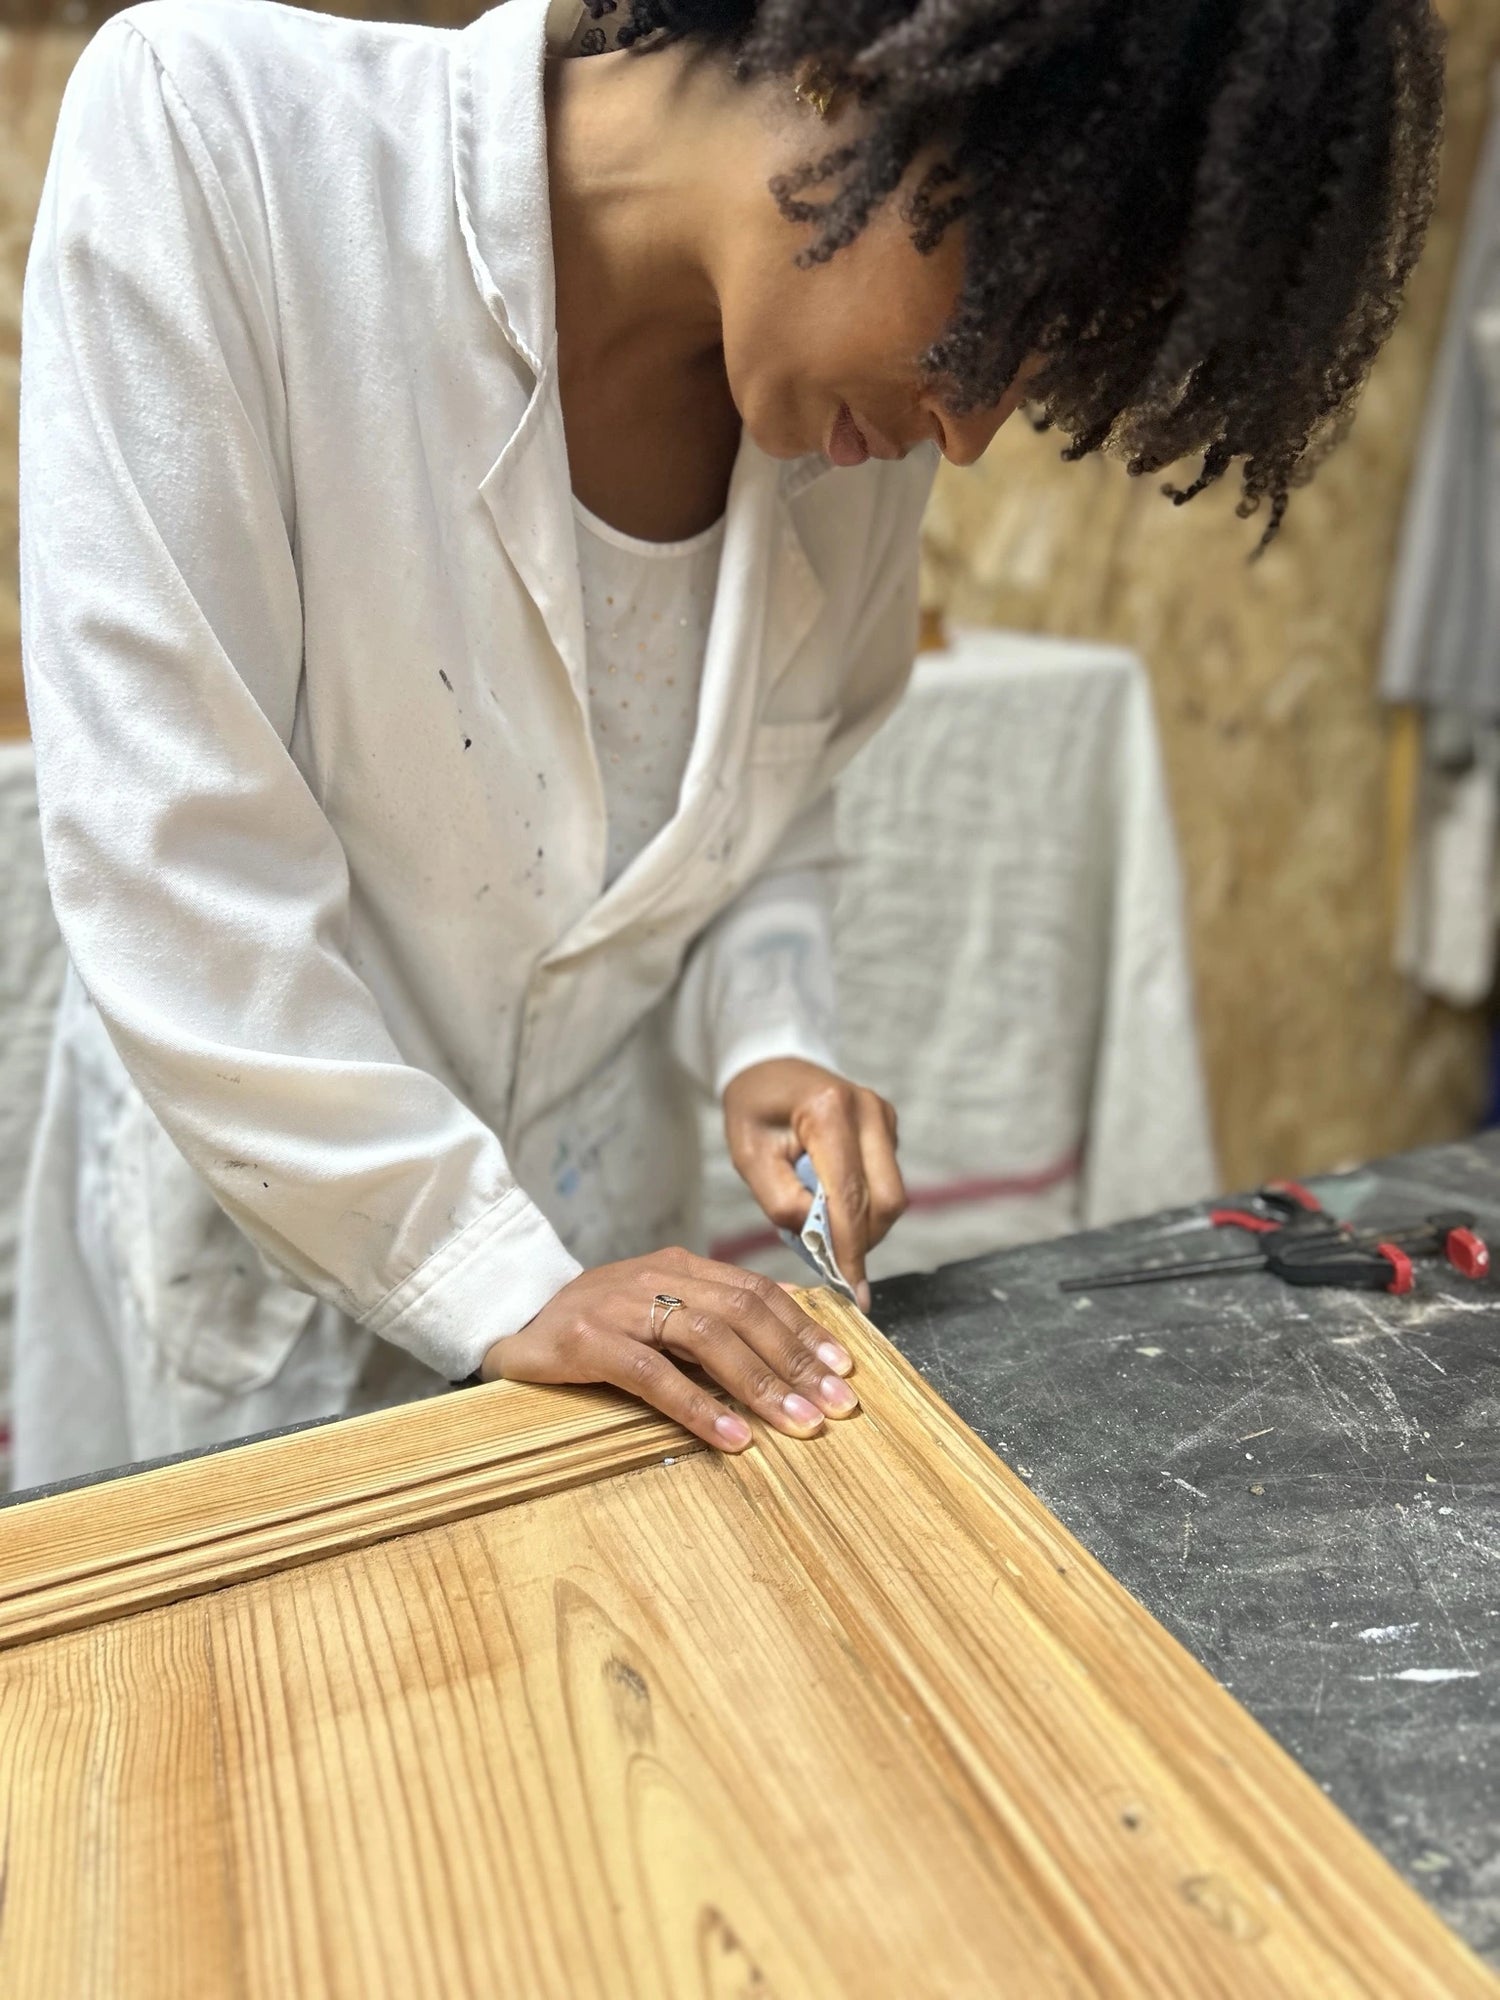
x=776, y=1111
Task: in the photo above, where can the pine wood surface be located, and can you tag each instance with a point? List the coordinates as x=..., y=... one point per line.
x=855, y=1717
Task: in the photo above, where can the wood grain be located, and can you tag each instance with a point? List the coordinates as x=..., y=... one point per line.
x=161, y=1535
x=854, y=1717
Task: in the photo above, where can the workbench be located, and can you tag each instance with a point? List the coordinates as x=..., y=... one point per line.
x=1302, y=1486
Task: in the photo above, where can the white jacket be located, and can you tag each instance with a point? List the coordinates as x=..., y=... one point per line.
x=305, y=666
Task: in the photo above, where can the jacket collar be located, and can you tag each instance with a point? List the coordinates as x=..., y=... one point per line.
x=500, y=181
x=500, y=170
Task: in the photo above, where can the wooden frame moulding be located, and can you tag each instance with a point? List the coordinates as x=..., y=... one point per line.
x=154, y=1537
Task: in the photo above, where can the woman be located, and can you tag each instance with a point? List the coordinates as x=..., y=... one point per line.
x=470, y=502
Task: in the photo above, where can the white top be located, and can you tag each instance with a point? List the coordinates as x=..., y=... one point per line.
x=646, y=613
x=303, y=636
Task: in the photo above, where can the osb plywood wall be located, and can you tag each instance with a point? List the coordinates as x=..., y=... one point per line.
x=1278, y=755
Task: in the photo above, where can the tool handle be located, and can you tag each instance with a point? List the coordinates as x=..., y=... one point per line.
x=1274, y=1206
x=1383, y=1267
x=1467, y=1252
x=1243, y=1218
x=1449, y=1234
x=1291, y=1197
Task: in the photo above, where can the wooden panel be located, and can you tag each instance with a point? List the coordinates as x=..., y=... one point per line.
x=854, y=1717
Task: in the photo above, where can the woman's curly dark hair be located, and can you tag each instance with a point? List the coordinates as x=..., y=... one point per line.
x=1199, y=214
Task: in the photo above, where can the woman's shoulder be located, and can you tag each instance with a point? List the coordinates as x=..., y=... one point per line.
x=296, y=116
x=258, y=34
x=257, y=62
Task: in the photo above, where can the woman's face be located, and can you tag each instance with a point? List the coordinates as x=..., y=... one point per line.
x=828, y=358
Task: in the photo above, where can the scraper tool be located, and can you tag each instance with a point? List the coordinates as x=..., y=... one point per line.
x=815, y=1243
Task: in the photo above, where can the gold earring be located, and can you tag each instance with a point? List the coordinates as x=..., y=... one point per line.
x=816, y=88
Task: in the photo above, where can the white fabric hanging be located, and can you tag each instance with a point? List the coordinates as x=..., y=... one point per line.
x=1442, y=641
x=1442, y=638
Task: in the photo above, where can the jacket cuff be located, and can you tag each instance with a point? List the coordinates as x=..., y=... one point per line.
x=488, y=1281
x=773, y=1042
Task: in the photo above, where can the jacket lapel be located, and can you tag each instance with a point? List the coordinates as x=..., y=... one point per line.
x=497, y=80
x=529, y=494
x=500, y=184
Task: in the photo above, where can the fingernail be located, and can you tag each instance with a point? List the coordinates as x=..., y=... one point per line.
x=838, y=1398
x=862, y=1296
x=833, y=1356
x=802, y=1412
x=734, y=1430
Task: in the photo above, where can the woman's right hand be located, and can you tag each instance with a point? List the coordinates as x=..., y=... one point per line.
x=744, y=1331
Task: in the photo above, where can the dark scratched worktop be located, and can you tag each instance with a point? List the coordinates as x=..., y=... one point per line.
x=1303, y=1486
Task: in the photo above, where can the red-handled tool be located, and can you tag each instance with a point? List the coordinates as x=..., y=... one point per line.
x=1467, y=1253
x=1275, y=1205
x=1320, y=1260
x=1451, y=1237
x=1301, y=1243
x=1450, y=1234
x=1375, y=1267
x=1286, y=1208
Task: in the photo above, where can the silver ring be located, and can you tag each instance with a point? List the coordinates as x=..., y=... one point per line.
x=666, y=1305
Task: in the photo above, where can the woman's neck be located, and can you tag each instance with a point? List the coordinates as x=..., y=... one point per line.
x=634, y=142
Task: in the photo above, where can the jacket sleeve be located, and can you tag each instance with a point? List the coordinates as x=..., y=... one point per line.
x=758, y=983
x=201, y=892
